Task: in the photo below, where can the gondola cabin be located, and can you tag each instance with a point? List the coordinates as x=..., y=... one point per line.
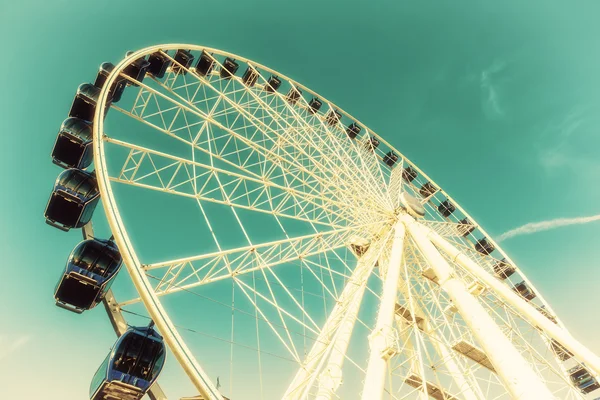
x=229, y=68
x=205, y=64
x=390, y=159
x=353, y=130
x=542, y=309
x=503, y=270
x=183, y=60
x=372, y=143
x=84, y=104
x=73, y=146
x=159, y=63
x=446, y=208
x=250, y=77
x=90, y=270
x=465, y=227
x=136, y=70
x=73, y=200
x=273, y=84
x=484, y=247
x=409, y=174
x=116, y=91
x=427, y=190
x=131, y=367
x=582, y=378
x=314, y=105
x=333, y=117
x=524, y=290
x=558, y=349
x=293, y=95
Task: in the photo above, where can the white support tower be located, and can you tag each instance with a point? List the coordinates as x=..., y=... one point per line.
x=381, y=342
x=516, y=374
x=234, y=193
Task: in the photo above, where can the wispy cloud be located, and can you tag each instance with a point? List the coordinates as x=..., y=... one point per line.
x=9, y=346
x=534, y=227
x=569, y=143
x=490, y=97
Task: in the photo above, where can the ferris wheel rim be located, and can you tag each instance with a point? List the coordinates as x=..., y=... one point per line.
x=134, y=266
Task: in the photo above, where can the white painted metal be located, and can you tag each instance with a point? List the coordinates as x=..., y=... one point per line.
x=379, y=340
x=526, y=310
x=339, y=327
x=514, y=371
x=328, y=171
x=134, y=267
x=466, y=389
x=331, y=377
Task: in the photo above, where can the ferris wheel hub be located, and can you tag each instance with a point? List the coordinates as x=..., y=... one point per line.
x=411, y=205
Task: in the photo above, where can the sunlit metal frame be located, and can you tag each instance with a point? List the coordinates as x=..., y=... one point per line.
x=337, y=328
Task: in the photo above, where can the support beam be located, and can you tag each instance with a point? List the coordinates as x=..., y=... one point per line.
x=348, y=302
x=116, y=317
x=379, y=338
x=331, y=377
x=514, y=371
x=403, y=326
x=454, y=369
x=527, y=310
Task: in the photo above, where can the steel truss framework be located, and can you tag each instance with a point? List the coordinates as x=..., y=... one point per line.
x=354, y=297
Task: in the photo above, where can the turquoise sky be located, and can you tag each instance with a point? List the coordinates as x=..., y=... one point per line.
x=497, y=101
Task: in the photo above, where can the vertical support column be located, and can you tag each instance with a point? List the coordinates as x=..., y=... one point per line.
x=331, y=378
x=527, y=311
x=379, y=338
x=348, y=303
x=518, y=377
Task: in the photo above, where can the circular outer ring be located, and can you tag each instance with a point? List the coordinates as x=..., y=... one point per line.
x=158, y=314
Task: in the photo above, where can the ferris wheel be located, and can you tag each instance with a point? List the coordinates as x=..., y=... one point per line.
x=279, y=244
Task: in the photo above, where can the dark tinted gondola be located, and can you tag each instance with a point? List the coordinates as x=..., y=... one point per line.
x=293, y=95
x=250, y=76
x=558, y=349
x=116, y=91
x=229, y=68
x=136, y=70
x=132, y=366
x=503, y=270
x=372, y=143
x=73, y=146
x=582, y=378
x=390, y=159
x=90, y=271
x=314, y=105
x=205, y=64
x=353, y=130
x=333, y=117
x=185, y=58
x=427, y=190
x=159, y=63
x=484, y=247
x=84, y=104
x=409, y=174
x=524, y=291
x=273, y=84
x=546, y=313
x=465, y=227
x=446, y=208
x=73, y=200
